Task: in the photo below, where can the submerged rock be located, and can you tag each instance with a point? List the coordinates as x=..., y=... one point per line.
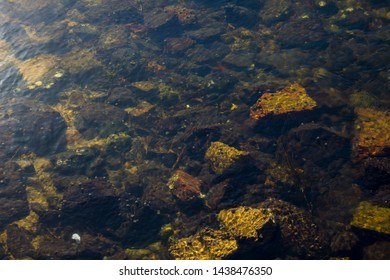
x=299, y=234
x=100, y=120
x=39, y=68
x=240, y=16
x=80, y=61
x=13, y=197
x=275, y=11
x=92, y=204
x=372, y=217
x=207, y=244
x=316, y=144
x=184, y=186
x=19, y=242
x=292, y=98
x=244, y=222
x=222, y=156
x=30, y=127
x=372, y=133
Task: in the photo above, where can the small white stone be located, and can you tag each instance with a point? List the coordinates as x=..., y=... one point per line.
x=76, y=237
x=58, y=75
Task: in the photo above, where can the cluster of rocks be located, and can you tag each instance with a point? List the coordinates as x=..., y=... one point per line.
x=207, y=129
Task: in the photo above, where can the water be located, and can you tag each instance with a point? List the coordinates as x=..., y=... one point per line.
x=203, y=129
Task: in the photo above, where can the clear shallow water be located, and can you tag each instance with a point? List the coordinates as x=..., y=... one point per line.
x=278, y=106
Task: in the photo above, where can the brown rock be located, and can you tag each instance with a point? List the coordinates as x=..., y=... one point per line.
x=184, y=186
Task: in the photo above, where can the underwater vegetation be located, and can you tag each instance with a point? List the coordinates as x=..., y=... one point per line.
x=194, y=129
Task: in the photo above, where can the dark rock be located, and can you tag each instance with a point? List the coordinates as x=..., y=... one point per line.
x=156, y=194
x=375, y=172
x=162, y=24
x=121, y=97
x=56, y=247
x=143, y=229
x=299, y=234
x=96, y=247
x=330, y=8
x=76, y=162
x=12, y=210
x=126, y=61
x=314, y=143
x=62, y=247
x=356, y=19
x=206, y=32
x=177, y=45
x=166, y=158
x=382, y=197
x=86, y=32
x=377, y=251
x=241, y=60
x=215, y=195
x=10, y=78
x=275, y=11
x=62, y=183
x=19, y=242
x=90, y=206
x=339, y=56
x=304, y=34
x=37, y=12
x=157, y=19
x=343, y=242
x=100, y=120
x=114, y=12
x=240, y=16
x=30, y=127
x=13, y=197
x=199, y=53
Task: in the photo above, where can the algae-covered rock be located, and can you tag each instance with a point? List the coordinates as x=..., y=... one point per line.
x=372, y=133
x=151, y=252
x=222, y=156
x=293, y=98
x=207, y=244
x=372, y=217
x=244, y=222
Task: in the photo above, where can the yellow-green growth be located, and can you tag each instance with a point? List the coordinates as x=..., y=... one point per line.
x=372, y=132
x=372, y=217
x=207, y=244
x=151, y=252
x=222, y=156
x=292, y=98
x=244, y=222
